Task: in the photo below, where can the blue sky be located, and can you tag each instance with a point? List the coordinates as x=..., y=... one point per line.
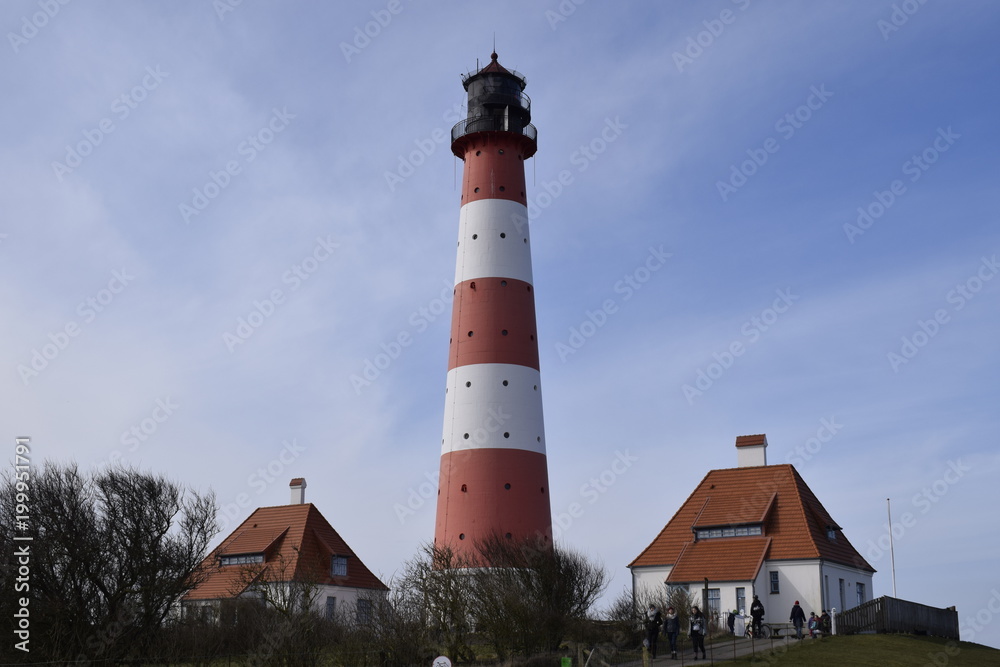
x=821, y=175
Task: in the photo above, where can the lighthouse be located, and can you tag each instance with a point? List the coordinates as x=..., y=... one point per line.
x=494, y=475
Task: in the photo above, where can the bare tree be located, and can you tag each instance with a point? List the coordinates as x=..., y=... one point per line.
x=276, y=603
x=396, y=633
x=533, y=594
x=627, y=612
x=277, y=585
x=112, y=552
x=437, y=593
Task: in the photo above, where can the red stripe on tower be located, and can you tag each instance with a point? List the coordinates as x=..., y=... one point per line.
x=494, y=475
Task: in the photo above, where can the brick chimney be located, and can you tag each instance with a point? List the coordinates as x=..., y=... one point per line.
x=298, y=487
x=751, y=450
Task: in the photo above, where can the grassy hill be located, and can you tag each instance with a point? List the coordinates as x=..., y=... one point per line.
x=878, y=651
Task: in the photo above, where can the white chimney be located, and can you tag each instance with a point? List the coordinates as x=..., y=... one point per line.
x=751, y=450
x=298, y=487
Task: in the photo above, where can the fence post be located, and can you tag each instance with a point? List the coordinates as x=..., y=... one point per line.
x=833, y=621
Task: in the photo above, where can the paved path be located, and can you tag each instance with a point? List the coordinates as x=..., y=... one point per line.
x=721, y=651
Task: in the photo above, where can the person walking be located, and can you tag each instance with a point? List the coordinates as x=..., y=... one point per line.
x=672, y=628
x=699, y=628
x=757, y=614
x=798, y=618
x=653, y=621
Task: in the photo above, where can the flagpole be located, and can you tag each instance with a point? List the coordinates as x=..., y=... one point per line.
x=892, y=553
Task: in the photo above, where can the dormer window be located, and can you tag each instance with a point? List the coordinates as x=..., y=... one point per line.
x=831, y=533
x=728, y=531
x=241, y=559
x=338, y=567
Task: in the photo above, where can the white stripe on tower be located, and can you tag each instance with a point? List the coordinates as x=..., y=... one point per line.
x=494, y=476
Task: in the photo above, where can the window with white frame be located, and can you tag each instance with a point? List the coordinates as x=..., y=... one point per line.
x=714, y=604
x=861, y=593
x=331, y=607
x=241, y=559
x=338, y=566
x=774, y=583
x=728, y=531
x=741, y=599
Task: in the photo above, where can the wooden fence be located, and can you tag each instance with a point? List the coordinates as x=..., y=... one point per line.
x=887, y=614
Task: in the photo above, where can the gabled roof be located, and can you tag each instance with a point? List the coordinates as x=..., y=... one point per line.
x=793, y=521
x=736, y=559
x=297, y=542
x=254, y=541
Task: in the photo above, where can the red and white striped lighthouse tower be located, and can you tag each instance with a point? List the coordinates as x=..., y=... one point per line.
x=494, y=476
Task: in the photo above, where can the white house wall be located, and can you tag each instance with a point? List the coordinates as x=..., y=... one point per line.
x=797, y=580
x=833, y=573
x=801, y=580
x=652, y=579
x=347, y=599
x=346, y=605
x=727, y=596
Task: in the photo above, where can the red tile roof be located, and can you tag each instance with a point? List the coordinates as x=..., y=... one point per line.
x=734, y=559
x=297, y=542
x=720, y=510
x=775, y=497
x=494, y=66
x=253, y=541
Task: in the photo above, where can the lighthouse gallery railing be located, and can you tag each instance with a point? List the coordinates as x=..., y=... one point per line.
x=492, y=124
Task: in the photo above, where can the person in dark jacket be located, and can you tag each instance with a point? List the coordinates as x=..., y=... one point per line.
x=798, y=618
x=672, y=628
x=698, y=630
x=653, y=621
x=757, y=614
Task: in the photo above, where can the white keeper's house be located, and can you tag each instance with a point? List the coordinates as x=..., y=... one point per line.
x=288, y=548
x=756, y=529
